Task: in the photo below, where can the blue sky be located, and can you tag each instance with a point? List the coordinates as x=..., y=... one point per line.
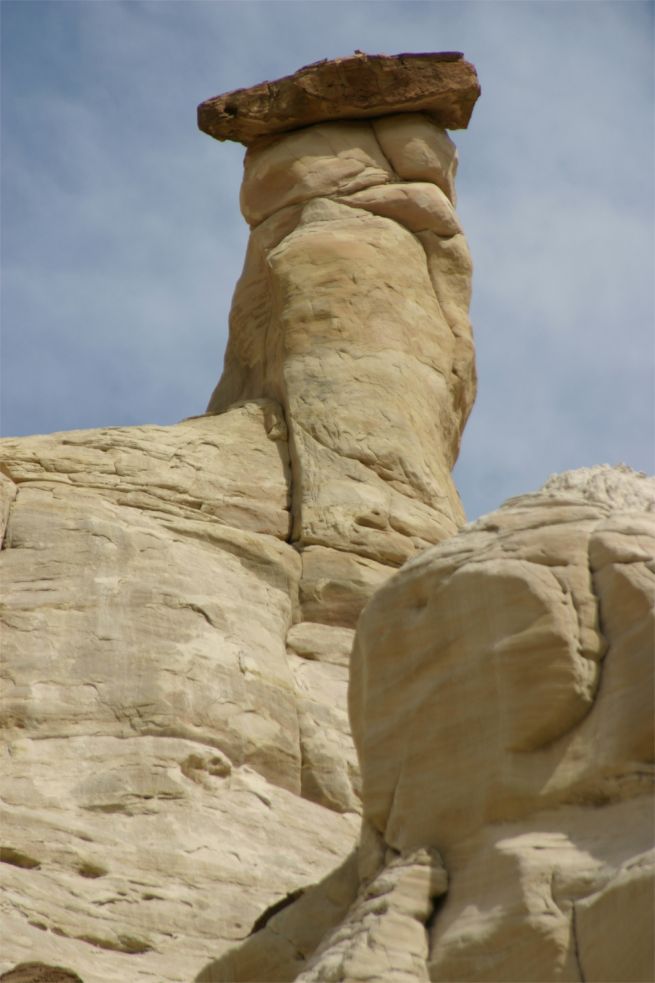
x=122, y=239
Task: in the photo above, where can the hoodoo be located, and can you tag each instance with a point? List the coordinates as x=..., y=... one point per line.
x=352, y=311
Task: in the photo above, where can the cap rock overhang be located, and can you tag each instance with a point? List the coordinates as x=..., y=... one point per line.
x=443, y=85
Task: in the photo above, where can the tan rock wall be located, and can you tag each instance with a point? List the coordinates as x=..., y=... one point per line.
x=157, y=738
x=501, y=699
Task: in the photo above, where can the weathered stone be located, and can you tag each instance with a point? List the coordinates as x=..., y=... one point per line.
x=180, y=606
x=335, y=585
x=153, y=744
x=326, y=643
x=418, y=150
x=614, y=926
x=526, y=646
x=420, y=207
x=7, y=496
x=319, y=161
x=180, y=601
x=442, y=85
x=359, y=287
x=279, y=949
x=329, y=772
x=383, y=935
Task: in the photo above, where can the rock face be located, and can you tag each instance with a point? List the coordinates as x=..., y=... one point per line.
x=516, y=734
x=501, y=699
x=156, y=794
x=180, y=602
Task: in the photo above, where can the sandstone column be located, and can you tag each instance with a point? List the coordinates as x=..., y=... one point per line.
x=352, y=308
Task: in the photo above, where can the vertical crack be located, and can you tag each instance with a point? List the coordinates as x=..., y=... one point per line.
x=7, y=506
x=576, y=948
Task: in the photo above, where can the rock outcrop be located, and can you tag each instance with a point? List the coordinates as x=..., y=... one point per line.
x=516, y=734
x=180, y=602
x=501, y=699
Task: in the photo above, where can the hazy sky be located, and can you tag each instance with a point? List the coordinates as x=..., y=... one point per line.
x=122, y=238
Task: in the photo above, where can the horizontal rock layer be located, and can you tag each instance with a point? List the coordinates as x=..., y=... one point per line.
x=442, y=85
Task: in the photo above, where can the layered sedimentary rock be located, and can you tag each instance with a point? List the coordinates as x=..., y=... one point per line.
x=154, y=728
x=501, y=700
x=179, y=602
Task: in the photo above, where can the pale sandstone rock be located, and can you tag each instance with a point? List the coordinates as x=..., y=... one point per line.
x=129, y=600
x=383, y=935
x=289, y=933
x=420, y=207
x=518, y=892
x=337, y=273
x=329, y=773
x=327, y=643
x=336, y=305
x=35, y=972
x=322, y=160
x=193, y=470
x=527, y=661
x=153, y=891
x=450, y=269
x=153, y=744
x=629, y=954
x=441, y=84
x=418, y=150
x=518, y=652
x=164, y=749
x=335, y=585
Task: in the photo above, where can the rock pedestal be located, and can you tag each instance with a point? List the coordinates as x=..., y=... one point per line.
x=352, y=314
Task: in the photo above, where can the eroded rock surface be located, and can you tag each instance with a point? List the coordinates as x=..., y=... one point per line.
x=154, y=758
x=515, y=732
x=180, y=602
x=501, y=700
x=352, y=313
